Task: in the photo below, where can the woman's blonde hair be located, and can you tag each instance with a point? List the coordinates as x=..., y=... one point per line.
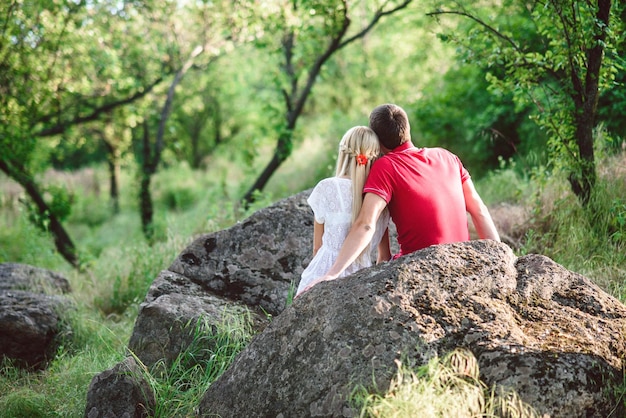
x=358, y=149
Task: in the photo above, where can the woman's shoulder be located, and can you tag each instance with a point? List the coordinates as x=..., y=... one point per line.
x=332, y=181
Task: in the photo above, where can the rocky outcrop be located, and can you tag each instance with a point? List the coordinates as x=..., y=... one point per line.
x=31, y=308
x=545, y=332
x=534, y=327
x=16, y=276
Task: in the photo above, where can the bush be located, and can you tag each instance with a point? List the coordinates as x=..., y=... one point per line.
x=180, y=198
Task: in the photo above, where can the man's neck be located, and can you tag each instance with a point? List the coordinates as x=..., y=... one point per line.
x=386, y=150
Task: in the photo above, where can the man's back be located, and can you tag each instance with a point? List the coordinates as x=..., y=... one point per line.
x=423, y=188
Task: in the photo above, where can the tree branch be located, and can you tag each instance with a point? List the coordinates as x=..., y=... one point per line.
x=167, y=107
x=7, y=19
x=61, y=127
x=482, y=23
x=578, y=94
x=287, y=43
x=377, y=16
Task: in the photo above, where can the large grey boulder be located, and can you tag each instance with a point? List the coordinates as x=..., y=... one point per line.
x=16, y=276
x=247, y=269
x=257, y=260
x=31, y=309
x=545, y=332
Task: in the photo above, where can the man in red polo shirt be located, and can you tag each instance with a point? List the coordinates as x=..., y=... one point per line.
x=427, y=190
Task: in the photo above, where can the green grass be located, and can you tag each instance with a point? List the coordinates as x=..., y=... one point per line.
x=447, y=387
x=61, y=389
x=179, y=387
x=121, y=264
x=589, y=240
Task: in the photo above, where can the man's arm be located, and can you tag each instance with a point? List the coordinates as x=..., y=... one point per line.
x=477, y=209
x=359, y=236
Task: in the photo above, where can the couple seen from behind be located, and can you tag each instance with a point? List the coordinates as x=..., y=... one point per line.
x=380, y=174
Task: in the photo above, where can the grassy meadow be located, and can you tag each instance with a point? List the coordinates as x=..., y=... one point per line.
x=120, y=266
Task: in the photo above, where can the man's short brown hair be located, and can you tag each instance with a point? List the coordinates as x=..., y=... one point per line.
x=391, y=125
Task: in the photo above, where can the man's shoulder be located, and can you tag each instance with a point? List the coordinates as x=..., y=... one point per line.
x=436, y=150
x=439, y=153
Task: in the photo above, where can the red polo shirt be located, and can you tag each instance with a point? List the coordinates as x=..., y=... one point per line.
x=423, y=188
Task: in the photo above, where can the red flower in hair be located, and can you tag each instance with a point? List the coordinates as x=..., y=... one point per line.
x=361, y=159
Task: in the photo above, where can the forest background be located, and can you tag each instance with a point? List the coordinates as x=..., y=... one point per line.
x=129, y=127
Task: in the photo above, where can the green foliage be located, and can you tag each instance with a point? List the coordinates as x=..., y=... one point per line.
x=507, y=184
x=63, y=59
x=75, y=152
x=69, y=63
x=556, y=57
x=59, y=201
x=88, y=209
x=178, y=189
x=617, y=220
x=179, y=199
x=23, y=242
x=480, y=125
x=612, y=107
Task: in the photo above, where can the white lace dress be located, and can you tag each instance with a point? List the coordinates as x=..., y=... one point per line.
x=331, y=201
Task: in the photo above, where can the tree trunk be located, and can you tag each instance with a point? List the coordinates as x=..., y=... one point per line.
x=195, y=158
x=62, y=240
x=113, y=162
x=146, y=208
x=583, y=178
x=281, y=153
x=151, y=158
x=114, y=171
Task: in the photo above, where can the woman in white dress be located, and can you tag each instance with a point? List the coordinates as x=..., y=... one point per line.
x=336, y=202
